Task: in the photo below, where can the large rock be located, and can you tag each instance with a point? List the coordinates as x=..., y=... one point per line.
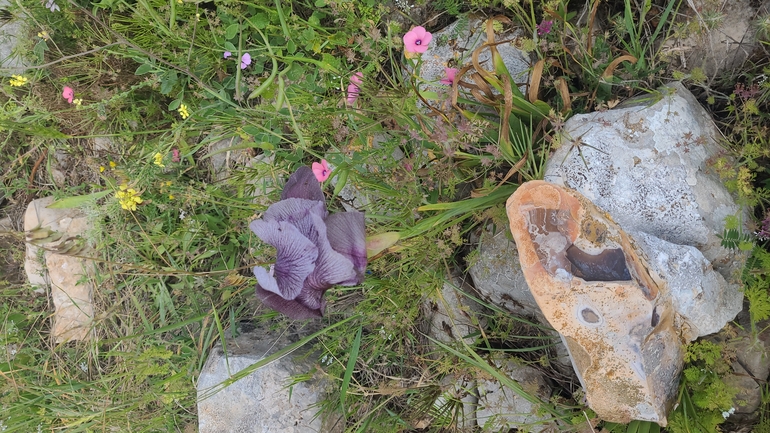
x=454, y=316
x=454, y=45
x=500, y=408
x=600, y=291
x=11, y=33
x=265, y=401
x=646, y=165
x=58, y=232
x=701, y=295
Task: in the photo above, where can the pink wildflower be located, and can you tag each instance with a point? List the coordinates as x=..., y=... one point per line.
x=417, y=40
x=321, y=170
x=68, y=94
x=353, y=88
x=544, y=28
x=227, y=54
x=175, y=155
x=245, y=60
x=450, y=76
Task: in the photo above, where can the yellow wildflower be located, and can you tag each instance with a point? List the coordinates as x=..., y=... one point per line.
x=18, y=80
x=128, y=197
x=159, y=160
x=171, y=196
x=101, y=169
x=113, y=165
x=44, y=34
x=183, y=111
x=77, y=101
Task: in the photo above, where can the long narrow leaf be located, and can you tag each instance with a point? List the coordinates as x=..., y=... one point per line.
x=350, y=367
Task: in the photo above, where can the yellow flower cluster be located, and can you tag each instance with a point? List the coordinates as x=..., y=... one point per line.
x=128, y=197
x=18, y=80
x=159, y=160
x=183, y=111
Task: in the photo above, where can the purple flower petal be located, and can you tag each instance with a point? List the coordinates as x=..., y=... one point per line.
x=303, y=184
x=294, y=261
x=227, y=54
x=294, y=309
x=245, y=60
x=347, y=235
x=331, y=267
x=297, y=211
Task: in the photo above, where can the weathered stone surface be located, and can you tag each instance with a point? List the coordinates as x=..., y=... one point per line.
x=263, y=401
x=701, y=295
x=454, y=315
x=723, y=36
x=454, y=45
x=458, y=402
x=224, y=153
x=598, y=289
x=497, y=274
x=11, y=32
x=71, y=287
x=499, y=408
x=645, y=164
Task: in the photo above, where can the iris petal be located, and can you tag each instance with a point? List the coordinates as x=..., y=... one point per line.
x=293, y=309
x=303, y=184
x=331, y=267
x=295, y=255
x=346, y=233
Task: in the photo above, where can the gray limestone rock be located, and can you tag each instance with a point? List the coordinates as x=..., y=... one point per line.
x=454, y=315
x=265, y=401
x=500, y=408
x=497, y=274
x=454, y=45
x=700, y=294
x=646, y=165
x=58, y=231
x=11, y=32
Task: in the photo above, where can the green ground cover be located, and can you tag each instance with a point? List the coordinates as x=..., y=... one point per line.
x=164, y=81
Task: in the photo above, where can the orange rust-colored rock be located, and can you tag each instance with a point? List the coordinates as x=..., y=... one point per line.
x=597, y=290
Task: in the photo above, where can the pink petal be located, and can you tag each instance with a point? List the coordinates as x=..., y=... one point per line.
x=357, y=78
x=451, y=73
x=321, y=171
x=353, y=92
x=417, y=40
x=68, y=94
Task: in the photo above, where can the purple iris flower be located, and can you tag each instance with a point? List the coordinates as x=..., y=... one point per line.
x=314, y=250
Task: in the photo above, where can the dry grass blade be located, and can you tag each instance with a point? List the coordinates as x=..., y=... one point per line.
x=534, y=80
x=610, y=70
x=515, y=169
x=563, y=89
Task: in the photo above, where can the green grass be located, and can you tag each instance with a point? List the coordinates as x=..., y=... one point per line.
x=156, y=94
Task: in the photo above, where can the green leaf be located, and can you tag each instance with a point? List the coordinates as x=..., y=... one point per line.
x=231, y=31
x=320, y=3
x=40, y=49
x=143, y=69
x=230, y=47
x=342, y=179
x=261, y=20
x=174, y=104
x=70, y=202
x=350, y=367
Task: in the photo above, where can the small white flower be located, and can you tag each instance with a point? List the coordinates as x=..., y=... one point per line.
x=83, y=367
x=182, y=214
x=727, y=413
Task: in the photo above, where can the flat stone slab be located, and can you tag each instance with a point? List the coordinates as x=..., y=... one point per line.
x=265, y=401
x=68, y=276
